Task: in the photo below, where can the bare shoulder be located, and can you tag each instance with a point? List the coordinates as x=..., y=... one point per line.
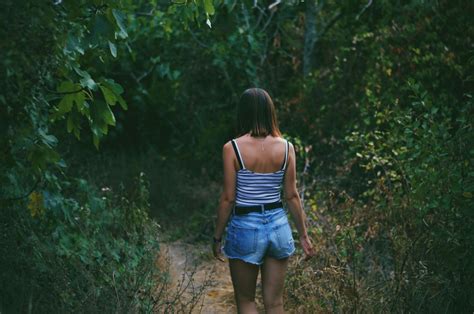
x=227, y=146
x=290, y=146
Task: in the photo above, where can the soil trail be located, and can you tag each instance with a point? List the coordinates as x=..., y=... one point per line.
x=193, y=266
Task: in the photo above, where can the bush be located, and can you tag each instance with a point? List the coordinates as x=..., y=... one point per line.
x=401, y=241
x=79, y=249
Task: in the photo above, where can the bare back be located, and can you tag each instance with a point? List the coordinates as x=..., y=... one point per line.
x=266, y=160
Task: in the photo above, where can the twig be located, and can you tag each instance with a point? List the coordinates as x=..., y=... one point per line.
x=354, y=272
x=329, y=24
x=246, y=15
x=145, y=74
x=268, y=21
x=405, y=259
x=197, y=40
x=364, y=9
x=145, y=13
x=115, y=287
x=274, y=4
x=23, y=196
x=262, y=13
x=65, y=93
x=305, y=172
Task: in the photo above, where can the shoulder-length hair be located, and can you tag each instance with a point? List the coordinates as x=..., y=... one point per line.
x=256, y=114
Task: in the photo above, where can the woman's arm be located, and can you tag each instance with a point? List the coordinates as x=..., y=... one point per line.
x=227, y=198
x=294, y=203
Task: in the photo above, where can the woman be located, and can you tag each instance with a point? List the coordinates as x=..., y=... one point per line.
x=256, y=165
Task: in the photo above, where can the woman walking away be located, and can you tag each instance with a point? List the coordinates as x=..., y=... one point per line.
x=258, y=236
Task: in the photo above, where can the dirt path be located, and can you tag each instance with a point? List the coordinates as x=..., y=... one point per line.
x=197, y=273
x=194, y=271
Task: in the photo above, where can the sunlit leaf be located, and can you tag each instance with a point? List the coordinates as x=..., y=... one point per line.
x=113, y=49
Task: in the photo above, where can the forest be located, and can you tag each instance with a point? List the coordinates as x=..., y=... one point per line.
x=113, y=115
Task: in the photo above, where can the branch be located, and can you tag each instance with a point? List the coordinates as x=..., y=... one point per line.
x=328, y=25
x=246, y=15
x=197, y=40
x=268, y=21
x=65, y=93
x=145, y=13
x=364, y=9
x=305, y=172
x=145, y=74
x=262, y=13
x=274, y=4
x=23, y=196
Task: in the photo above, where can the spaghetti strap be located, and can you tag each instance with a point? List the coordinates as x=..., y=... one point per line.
x=286, y=156
x=237, y=153
x=257, y=188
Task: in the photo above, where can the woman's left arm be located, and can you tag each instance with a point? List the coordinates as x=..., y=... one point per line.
x=227, y=198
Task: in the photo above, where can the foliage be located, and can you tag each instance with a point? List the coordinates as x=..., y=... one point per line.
x=88, y=251
x=66, y=246
x=392, y=226
x=382, y=124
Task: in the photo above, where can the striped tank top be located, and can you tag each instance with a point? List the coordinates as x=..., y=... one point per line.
x=255, y=188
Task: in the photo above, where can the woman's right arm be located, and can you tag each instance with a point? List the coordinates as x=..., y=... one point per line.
x=293, y=201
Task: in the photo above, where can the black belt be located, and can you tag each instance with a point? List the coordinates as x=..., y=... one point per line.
x=242, y=210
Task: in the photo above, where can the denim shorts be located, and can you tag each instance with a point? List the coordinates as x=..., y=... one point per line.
x=253, y=236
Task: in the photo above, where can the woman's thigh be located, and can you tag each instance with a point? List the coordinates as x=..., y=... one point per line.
x=244, y=279
x=273, y=279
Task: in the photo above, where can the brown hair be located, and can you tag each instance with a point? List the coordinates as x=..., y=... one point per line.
x=256, y=114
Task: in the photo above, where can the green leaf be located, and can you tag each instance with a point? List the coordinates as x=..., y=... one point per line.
x=112, y=91
x=95, y=140
x=209, y=7
x=66, y=87
x=122, y=103
x=73, y=123
x=113, y=86
x=65, y=105
x=81, y=73
x=101, y=117
x=113, y=49
x=73, y=44
x=107, y=114
x=48, y=140
x=119, y=20
x=73, y=93
x=69, y=124
x=88, y=83
x=79, y=98
x=77, y=133
x=109, y=95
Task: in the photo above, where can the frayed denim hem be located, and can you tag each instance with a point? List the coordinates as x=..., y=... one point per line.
x=241, y=258
x=286, y=255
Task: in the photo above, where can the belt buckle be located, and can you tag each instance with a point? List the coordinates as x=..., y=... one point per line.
x=262, y=206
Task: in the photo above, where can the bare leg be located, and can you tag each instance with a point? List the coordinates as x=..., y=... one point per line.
x=273, y=280
x=244, y=279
